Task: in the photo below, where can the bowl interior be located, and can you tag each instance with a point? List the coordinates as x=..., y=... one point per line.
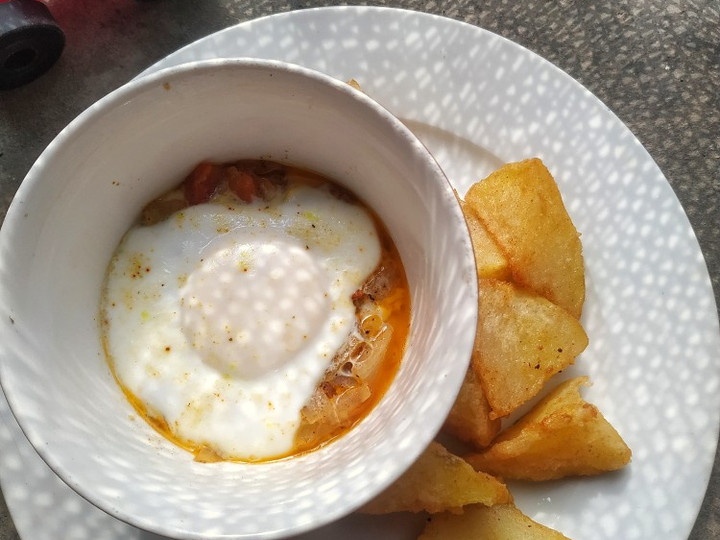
x=86, y=190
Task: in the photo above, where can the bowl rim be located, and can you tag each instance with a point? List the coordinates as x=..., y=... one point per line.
x=126, y=93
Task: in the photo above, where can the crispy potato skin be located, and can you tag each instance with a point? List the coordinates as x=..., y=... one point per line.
x=561, y=436
x=522, y=340
x=438, y=482
x=469, y=419
x=501, y=522
x=490, y=261
x=521, y=207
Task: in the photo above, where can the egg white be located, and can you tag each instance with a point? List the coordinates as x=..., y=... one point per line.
x=222, y=319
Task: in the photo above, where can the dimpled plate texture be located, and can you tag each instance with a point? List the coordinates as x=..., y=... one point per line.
x=478, y=100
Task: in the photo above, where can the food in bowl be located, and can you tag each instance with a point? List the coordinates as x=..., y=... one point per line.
x=255, y=311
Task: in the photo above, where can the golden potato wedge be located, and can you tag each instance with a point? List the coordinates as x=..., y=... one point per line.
x=489, y=259
x=522, y=340
x=501, y=522
x=521, y=207
x=438, y=482
x=469, y=419
x=562, y=435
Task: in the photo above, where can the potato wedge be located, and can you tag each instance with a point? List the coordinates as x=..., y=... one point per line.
x=522, y=340
x=489, y=259
x=521, y=207
x=438, y=482
x=501, y=522
x=469, y=419
x=562, y=435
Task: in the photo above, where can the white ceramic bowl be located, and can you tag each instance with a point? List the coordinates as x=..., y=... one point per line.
x=84, y=192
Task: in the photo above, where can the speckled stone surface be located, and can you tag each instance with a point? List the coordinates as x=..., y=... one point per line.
x=655, y=63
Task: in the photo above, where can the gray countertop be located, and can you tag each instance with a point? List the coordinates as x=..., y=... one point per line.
x=655, y=63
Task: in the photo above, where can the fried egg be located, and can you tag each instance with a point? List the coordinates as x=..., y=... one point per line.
x=222, y=319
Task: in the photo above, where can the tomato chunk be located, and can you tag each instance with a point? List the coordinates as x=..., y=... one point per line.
x=241, y=183
x=201, y=184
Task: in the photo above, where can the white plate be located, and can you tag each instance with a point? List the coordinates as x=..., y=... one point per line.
x=478, y=100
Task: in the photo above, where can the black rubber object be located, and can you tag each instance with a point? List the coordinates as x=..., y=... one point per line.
x=30, y=42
